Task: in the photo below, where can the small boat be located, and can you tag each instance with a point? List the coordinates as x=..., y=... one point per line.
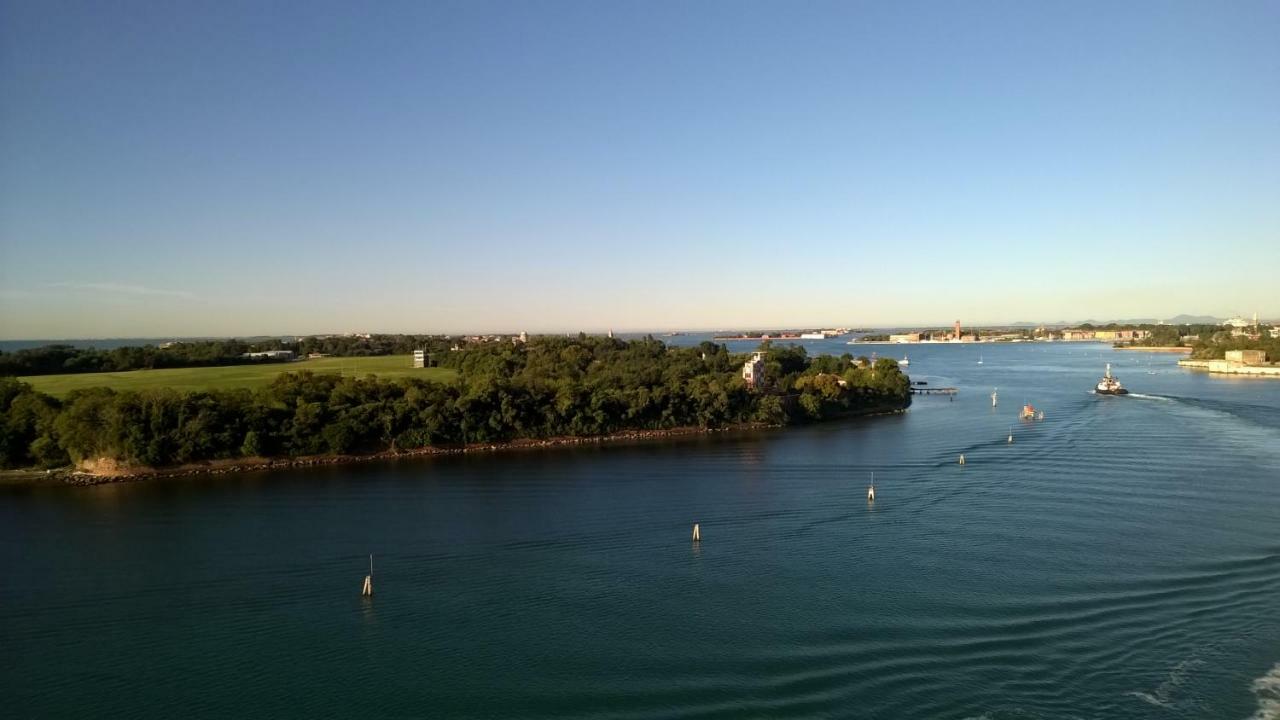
x=904, y=360
x=1029, y=412
x=979, y=358
x=1109, y=385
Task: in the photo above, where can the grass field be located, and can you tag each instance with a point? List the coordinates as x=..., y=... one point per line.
x=235, y=376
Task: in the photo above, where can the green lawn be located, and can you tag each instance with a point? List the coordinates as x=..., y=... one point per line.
x=235, y=376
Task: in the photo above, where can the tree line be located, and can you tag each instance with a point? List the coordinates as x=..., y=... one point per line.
x=1216, y=346
x=1166, y=335
x=59, y=359
x=550, y=387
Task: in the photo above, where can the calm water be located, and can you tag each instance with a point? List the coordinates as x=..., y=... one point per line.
x=1121, y=559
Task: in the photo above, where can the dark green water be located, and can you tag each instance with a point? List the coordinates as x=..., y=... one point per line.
x=1121, y=559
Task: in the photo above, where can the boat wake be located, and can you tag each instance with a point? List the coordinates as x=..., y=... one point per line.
x=1267, y=690
x=1144, y=396
x=1162, y=696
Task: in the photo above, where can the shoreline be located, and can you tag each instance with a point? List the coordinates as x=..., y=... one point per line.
x=111, y=473
x=1159, y=348
x=1224, y=367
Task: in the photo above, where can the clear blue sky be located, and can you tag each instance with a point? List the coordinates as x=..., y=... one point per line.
x=190, y=168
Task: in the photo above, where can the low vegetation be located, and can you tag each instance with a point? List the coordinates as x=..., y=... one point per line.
x=234, y=376
x=547, y=388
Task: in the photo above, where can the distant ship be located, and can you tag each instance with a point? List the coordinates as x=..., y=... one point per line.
x=1108, y=385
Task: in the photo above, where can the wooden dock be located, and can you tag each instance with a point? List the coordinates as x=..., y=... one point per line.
x=933, y=391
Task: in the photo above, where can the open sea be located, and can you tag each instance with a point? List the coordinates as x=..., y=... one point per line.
x=1120, y=559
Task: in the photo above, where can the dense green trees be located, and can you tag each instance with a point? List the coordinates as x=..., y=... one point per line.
x=1166, y=335
x=1215, y=347
x=27, y=427
x=549, y=387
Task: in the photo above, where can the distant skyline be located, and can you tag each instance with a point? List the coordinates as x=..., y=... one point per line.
x=246, y=168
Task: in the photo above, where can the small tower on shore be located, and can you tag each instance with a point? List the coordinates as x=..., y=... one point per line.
x=753, y=371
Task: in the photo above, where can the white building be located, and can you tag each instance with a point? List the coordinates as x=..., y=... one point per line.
x=1238, y=322
x=270, y=355
x=419, y=358
x=753, y=370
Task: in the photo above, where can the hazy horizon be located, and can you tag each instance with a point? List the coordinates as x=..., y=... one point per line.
x=602, y=331
x=234, y=169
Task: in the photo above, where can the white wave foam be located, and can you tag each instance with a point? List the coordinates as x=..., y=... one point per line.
x=1149, y=698
x=1162, y=696
x=1142, y=396
x=1267, y=690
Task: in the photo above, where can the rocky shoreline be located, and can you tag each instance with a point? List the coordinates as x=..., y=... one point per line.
x=107, y=472
x=1154, y=348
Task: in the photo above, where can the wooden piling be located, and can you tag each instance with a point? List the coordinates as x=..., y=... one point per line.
x=697, y=534
x=961, y=458
x=367, y=590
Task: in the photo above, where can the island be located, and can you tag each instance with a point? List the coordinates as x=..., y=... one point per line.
x=539, y=392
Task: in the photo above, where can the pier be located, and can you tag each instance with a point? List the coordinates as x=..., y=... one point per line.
x=933, y=391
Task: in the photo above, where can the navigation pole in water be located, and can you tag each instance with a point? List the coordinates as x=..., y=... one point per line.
x=367, y=590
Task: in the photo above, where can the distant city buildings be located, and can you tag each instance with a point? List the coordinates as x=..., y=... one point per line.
x=753, y=370
x=905, y=338
x=1113, y=335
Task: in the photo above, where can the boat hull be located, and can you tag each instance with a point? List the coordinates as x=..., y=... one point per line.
x=1121, y=391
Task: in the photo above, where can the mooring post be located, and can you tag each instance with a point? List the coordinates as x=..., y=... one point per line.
x=697, y=534
x=367, y=590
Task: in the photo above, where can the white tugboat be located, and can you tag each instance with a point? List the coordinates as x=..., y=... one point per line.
x=1109, y=385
